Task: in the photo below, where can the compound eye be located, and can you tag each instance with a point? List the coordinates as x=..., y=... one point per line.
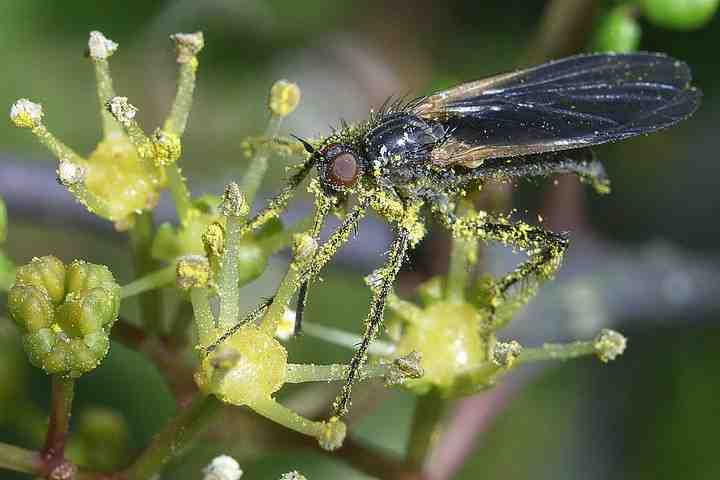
x=344, y=169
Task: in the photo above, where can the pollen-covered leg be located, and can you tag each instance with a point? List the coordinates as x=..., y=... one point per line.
x=545, y=249
x=581, y=162
x=381, y=285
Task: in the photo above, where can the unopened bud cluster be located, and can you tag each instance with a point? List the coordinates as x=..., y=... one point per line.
x=65, y=313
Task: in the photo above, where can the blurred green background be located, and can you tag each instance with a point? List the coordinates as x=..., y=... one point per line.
x=652, y=414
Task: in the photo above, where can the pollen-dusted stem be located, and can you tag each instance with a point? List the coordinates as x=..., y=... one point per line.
x=607, y=345
x=141, y=237
x=301, y=373
x=100, y=49
x=179, y=191
x=71, y=169
x=173, y=438
x=259, y=163
x=188, y=45
x=235, y=208
x=20, y=460
x=557, y=351
x=282, y=415
x=462, y=254
x=204, y=319
x=425, y=429
x=157, y=279
x=63, y=391
x=288, y=286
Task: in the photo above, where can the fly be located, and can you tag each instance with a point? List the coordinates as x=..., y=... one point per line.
x=414, y=159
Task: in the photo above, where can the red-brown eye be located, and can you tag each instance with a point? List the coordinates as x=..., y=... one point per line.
x=343, y=170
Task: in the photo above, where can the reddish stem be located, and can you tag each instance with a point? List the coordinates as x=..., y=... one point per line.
x=53, y=453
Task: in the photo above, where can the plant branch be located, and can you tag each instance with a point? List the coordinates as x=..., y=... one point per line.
x=19, y=459
x=157, y=279
x=564, y=29
x=176, y=435
x=141, y=237
x=53, y=453
x=426, y=424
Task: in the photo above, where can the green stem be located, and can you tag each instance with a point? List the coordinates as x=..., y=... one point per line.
x=141, y=237
x=228, y=282
x=19, y=459
x=462, y=250
x=160, y=278
x=259, y=164
x=63, y=391
x=302, y=373
x=345, y=339
x=282, y=415
x=429, y=412
x=558, y=351
x=179, y=192
x=288, y=286
x=204, y=320
x=105, y=91
x=171, y=441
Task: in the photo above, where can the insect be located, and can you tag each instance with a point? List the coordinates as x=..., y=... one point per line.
x=414, y=159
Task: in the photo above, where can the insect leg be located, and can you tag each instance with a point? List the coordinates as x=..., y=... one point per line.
x=545, y=249
x=581, y=162
x=322, y=256
x=381, y=289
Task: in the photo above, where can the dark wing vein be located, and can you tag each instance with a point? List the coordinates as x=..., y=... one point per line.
x=571, y=103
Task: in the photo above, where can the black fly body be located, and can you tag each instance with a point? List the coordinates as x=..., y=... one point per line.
x=413, y=159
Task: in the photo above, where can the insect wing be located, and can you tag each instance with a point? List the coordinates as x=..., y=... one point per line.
x=570, y=103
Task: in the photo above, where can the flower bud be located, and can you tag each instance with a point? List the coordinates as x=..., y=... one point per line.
x=65, y=314
x=609, y=344
x=618, y=31
x=680, y=14
x=192, y=271
x=333, y=434
x=100, y=47
x=188, y=45
x=234, y=203
x=26, y=114
x=167, y=148
x=294, y=475
x=223, y=467
x=284, y=98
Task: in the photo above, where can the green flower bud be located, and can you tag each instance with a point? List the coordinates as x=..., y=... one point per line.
x=105, y=437
x=679, y=14
x=284, y=98
x=47, y=273
x=65, y=314
x=167, y=148
x=618, y=31
x=192, y=271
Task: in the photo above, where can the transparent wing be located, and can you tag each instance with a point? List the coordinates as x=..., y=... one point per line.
x=570, y=103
